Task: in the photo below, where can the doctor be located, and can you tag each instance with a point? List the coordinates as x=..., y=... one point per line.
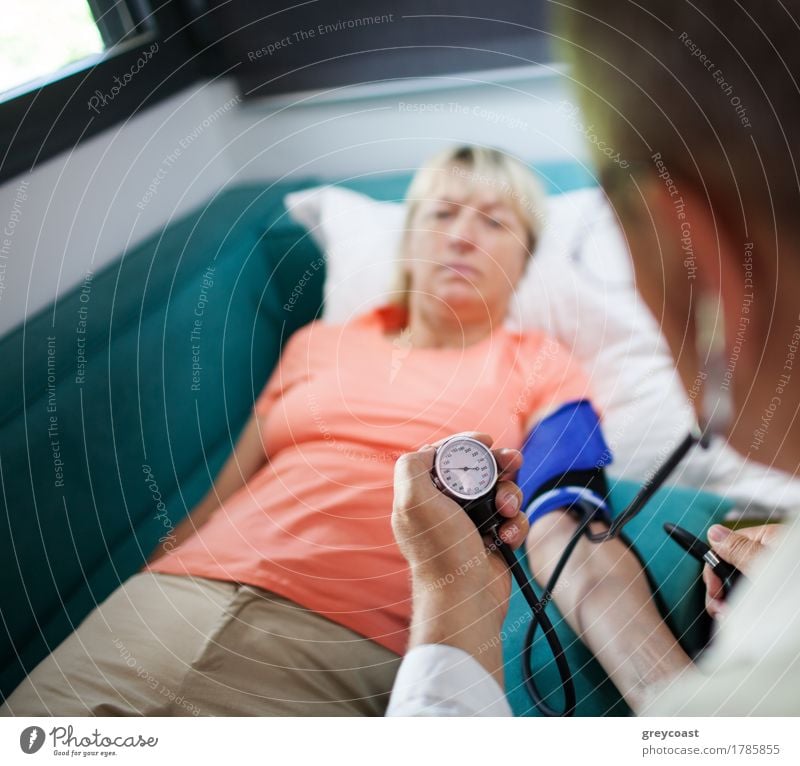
x=703, y=104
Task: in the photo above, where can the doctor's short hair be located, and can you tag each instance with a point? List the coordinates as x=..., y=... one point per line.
x=473, y=167
x=702, y=93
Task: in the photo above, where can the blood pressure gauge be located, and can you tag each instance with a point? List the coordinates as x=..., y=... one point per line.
x=466, y=471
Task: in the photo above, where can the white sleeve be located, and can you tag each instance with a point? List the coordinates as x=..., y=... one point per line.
x=441, y=680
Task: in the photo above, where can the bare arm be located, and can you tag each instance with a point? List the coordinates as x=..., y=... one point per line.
x=247, y=457
x=605, y=597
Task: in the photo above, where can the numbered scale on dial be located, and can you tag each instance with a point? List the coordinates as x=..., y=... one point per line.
x=465, y=467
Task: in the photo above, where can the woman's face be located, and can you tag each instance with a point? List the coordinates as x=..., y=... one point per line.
x=466, y=247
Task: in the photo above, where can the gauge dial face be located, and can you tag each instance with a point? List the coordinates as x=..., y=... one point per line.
x=466, y=467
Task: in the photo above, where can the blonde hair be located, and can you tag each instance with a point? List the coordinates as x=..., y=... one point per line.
x=475, y=166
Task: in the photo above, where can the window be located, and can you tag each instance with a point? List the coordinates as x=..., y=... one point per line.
x=42, y=38
x=70, y=69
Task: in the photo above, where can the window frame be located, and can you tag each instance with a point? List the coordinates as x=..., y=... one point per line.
x=48, y=116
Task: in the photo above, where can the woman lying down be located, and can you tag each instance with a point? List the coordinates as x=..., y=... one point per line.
x=286, y=593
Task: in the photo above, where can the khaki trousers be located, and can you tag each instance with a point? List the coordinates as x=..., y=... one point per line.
x=168, y=645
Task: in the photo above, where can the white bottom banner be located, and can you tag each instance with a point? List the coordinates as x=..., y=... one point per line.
x=406, y=741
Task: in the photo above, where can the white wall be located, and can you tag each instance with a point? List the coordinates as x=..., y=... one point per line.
x=398, y=124
x=80, y=210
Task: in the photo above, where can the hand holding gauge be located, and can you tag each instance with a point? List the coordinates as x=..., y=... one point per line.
x=443, y=504
x=434, y=533
x=448, y=559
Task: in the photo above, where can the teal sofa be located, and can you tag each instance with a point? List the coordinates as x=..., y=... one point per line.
x=122, y=399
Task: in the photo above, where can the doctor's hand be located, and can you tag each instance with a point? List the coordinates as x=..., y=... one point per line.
x=460, y=585
x=740, y=548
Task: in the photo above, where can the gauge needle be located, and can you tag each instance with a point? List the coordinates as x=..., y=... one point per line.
x=468, y=468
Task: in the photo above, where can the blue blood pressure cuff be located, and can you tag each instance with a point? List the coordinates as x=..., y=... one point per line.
x=563, y=465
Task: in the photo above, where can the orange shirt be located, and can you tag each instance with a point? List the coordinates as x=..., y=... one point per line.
x=313, y=525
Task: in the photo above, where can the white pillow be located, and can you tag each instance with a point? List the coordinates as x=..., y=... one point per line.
x=359, y=237
x=580, y=289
